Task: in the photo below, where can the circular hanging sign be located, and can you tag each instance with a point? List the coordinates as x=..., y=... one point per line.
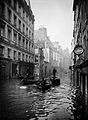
x=78, y=50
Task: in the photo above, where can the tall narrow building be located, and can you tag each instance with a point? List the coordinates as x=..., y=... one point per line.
x=16, y=38
x=80, y=44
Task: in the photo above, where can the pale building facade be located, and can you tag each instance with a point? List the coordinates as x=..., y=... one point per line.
x=16, y=37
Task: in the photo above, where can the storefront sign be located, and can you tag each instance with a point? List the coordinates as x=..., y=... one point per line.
x=78, y=50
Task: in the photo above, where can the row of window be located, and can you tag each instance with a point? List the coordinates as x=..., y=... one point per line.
x=17, y=38
x=17, y=22
x=18, y=8
x=16, y=55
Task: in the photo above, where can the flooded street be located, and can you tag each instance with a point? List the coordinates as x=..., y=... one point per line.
x=43, y=59
x=28, y=103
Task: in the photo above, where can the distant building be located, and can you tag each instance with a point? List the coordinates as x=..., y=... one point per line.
x=50, y=52
x=16, y=38
x=41, y=40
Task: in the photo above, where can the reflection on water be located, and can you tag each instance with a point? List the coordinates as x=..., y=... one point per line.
x=28, y=103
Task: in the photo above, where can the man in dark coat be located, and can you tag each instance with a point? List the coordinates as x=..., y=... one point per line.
x=54, y=72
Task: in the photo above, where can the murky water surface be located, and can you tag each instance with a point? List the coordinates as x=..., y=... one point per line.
x=28, y=103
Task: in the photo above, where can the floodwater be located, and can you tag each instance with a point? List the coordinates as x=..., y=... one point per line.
x=28, y=103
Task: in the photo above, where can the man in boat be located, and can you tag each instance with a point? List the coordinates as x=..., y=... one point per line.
x=54, y=72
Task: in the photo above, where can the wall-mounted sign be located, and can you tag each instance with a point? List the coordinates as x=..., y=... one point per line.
x=78, y=50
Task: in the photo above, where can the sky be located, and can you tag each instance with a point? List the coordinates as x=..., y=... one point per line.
x=57, y=17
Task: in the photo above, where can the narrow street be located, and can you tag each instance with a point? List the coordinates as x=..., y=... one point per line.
x=28, y=103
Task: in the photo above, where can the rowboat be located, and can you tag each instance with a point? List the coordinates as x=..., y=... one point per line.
x=44, y=85
x=55, y=81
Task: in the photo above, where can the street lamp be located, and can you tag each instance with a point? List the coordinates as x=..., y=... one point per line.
x=78, y=50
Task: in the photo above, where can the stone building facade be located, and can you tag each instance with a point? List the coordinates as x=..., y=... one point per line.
x=16, y=38
x=80, y=34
